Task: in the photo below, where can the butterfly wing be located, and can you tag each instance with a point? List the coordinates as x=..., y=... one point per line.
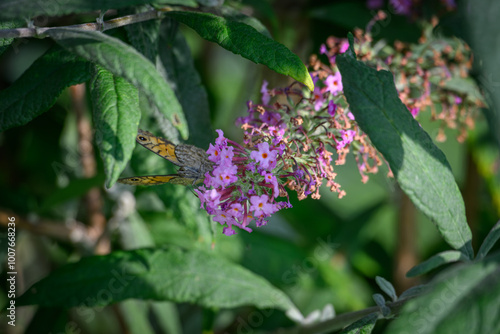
x=153, y=180
x=158, y=145
x=193, y=161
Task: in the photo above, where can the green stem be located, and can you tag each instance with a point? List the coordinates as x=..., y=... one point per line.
x=343, y=320
x=97, y=26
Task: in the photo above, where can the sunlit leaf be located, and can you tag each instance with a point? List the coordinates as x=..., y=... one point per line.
x=436, y=261
x=172, y=275
x=420, y=168
x=489, y=241
x=387, y=287
x=116, y=118
x=40, y=86
x=180, y=73
x=244, y=40
x=364, y=325
x=25, y=9
x=464, y=299
x=124, y=61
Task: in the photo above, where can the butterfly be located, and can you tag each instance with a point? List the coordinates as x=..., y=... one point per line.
x=193, y=162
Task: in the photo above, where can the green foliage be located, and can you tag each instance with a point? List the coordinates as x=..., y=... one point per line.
x=464, y=299
x=143, y=36
x=5, y=42
x=169, y=265
x=135, y=313
x=124, y=61
x=387, y=287
x=234, y=15
x=489, y=241
x=481, y=32
x=181, y=74
x=244, y=40
x=158, y=274
x=168, y=317
x=25, y=9
x=116, y=118
x=73, y=190
x=436, y=261
x=420, y=168
x=38, y=88
x=362, y=326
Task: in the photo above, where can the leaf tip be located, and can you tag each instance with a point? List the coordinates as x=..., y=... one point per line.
x=350, y=51
x=180, y=124
x=411, y=273
x=309, y=83
x=183, y=130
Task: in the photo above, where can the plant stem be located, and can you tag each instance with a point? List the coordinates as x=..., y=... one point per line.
x=40, y=32
x=342, y=320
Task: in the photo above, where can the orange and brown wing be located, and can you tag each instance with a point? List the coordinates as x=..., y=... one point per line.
x=158, y=145
x=153, y=180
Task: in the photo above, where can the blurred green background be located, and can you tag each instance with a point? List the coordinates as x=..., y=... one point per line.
x=320, y=252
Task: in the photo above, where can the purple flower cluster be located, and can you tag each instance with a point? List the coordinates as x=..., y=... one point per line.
x=303, y=132
x=403, y=7
x=243, y=185
x=289, y=146
x=294, y=137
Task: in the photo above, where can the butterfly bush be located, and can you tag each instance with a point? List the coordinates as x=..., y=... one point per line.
x=288, y=144
x=294, y=137
x=432, y=77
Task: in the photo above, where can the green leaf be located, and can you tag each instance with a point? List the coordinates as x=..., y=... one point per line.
x=185, y=207
x=179, y=71
x=489, y=241
x=463, y=86
x=159, y=274
x=124, y=61
x=235, y=15
x=481, y=33
x=387, y=287
x=413, y=291
x=134, y=232
x=167, y=316
x=244, y=40
x=420, y=168
x=75, y=189
x=184, y=222
x=5, y=42
x=464, y=299
x=38, y=88
x=25, y=9
x=364, y=325
x=265, y=11
x=116, y=118
x=354, y=14
x=144, y=35
x=436, y=261
x=135, y=315
x=380, y=301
